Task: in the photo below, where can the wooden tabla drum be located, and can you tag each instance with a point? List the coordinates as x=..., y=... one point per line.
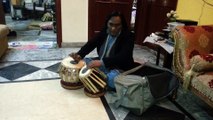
x=69, y=73
x=94, y=81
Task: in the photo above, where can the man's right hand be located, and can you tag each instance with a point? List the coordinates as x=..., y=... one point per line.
x=75, y=56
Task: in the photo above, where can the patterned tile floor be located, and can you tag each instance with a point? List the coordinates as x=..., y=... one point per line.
x=19, y=65
x=34, y=70
x=40, y=65
x=17, y=68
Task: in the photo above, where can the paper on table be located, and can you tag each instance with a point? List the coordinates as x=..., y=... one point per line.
x=164, y=45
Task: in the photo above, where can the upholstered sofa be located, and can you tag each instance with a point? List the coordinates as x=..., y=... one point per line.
x=4, y=31
x=193, y=59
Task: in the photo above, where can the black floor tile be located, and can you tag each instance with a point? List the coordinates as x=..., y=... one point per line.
x=17, y=70
x=157, y=113
x=53, y=68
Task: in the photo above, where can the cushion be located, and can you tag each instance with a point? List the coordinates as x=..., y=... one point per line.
x=46, y=26
x=194, y=40
x=202, y=62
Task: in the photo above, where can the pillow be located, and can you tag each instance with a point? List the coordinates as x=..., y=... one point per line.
x=46, y=26
x=202, y=62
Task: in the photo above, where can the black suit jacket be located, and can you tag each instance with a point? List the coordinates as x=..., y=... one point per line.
x=121, y=54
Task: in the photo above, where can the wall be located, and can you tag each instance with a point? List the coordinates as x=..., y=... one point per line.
x=196, y=10
x=74, y=18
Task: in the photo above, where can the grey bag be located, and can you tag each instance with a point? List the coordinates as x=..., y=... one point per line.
x=145, y=87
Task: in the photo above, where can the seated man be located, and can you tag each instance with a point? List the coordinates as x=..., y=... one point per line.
x=114, y=45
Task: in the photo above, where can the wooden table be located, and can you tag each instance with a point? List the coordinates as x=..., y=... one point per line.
x=168, y=57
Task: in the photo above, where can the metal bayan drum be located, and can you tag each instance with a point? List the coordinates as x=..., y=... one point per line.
x=69, y=73
x=94, y=81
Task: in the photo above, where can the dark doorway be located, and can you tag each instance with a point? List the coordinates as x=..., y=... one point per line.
x=98, y=9
x=151, y=17
x=22, y=8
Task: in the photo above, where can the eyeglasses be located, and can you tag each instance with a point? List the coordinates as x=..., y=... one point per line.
x=117, y=25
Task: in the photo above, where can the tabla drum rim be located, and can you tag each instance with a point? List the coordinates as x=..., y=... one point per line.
x=94, y=95
x=66, y=62
x=71, y=86
x=84, y=74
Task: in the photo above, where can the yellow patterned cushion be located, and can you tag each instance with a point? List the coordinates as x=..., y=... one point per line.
x=204, y=84
x=195, y=40
x=202, y=62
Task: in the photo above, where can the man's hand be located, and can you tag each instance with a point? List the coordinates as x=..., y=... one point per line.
x=95, y=63
x=75, y=56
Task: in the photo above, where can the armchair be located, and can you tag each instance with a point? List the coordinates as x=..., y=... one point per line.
x=193, y=59
x=4, y=31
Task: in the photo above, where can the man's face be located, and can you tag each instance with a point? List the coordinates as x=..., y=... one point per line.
x=114, y=25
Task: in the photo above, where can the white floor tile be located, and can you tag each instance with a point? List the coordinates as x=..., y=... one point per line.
x=42, y=64
x=3, y=79
x=47, y=100
x=41, y=74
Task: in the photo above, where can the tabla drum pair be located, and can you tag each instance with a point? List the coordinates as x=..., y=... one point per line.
x=77, y=75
